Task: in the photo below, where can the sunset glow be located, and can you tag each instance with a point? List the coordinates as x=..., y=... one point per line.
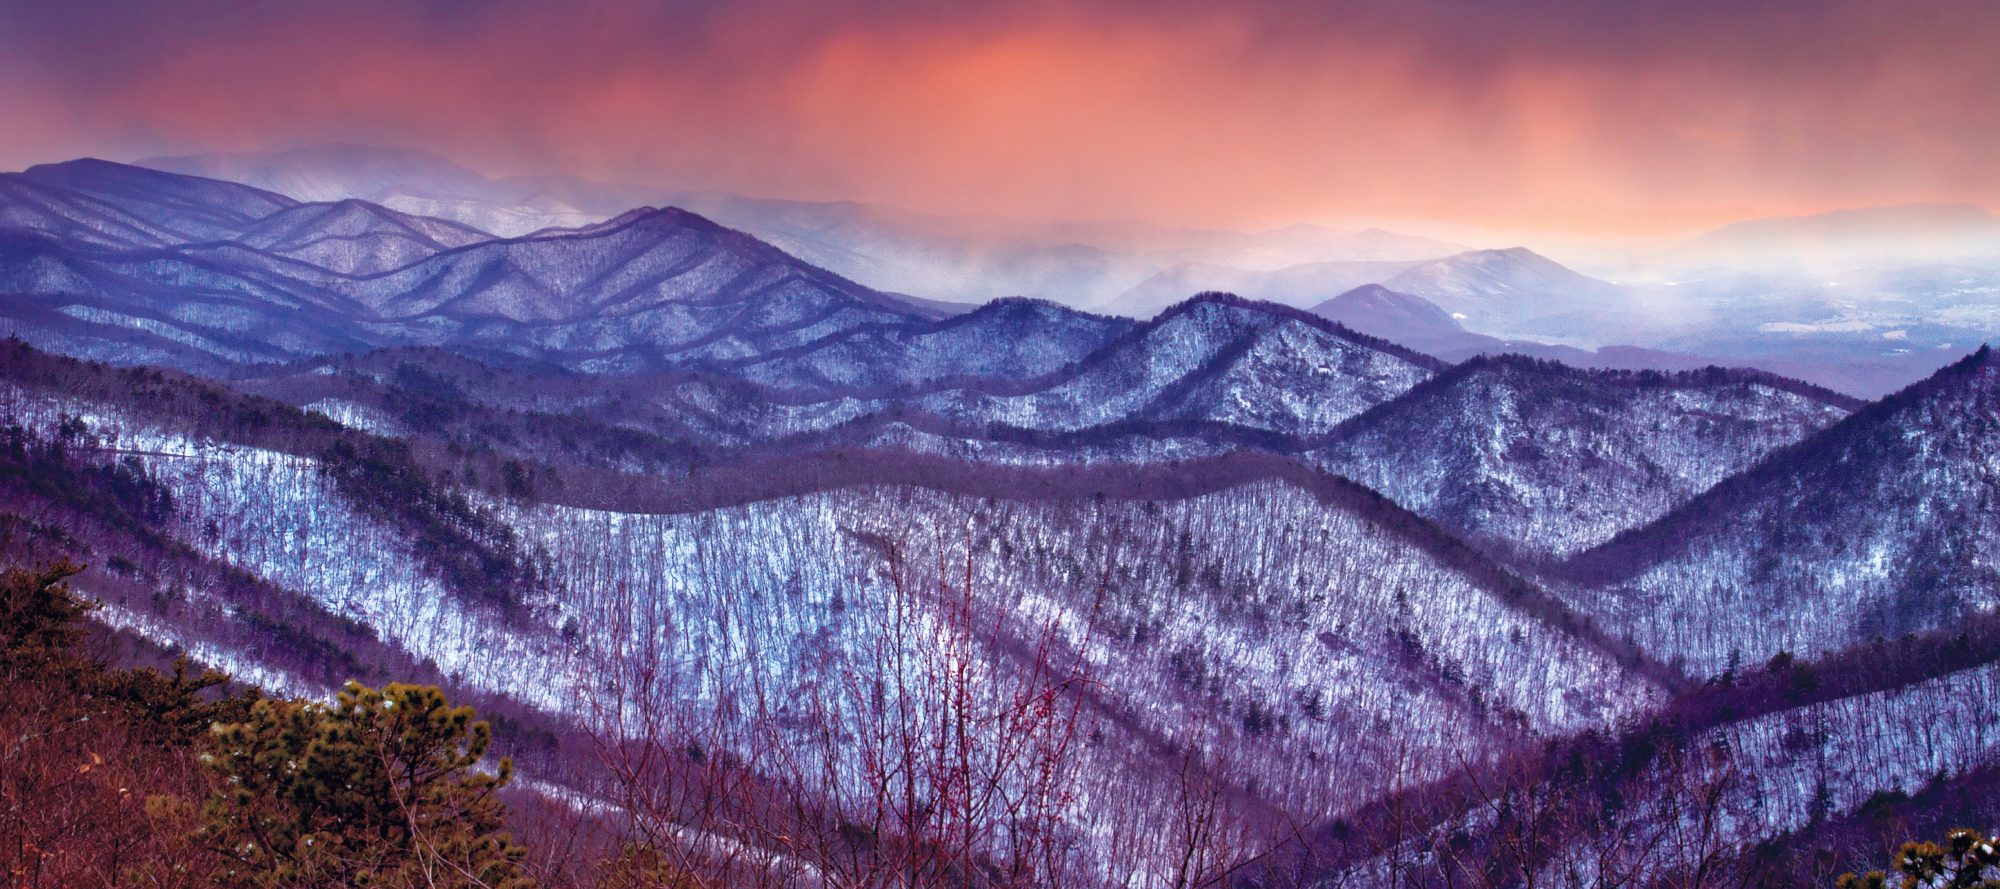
x=1630, y=117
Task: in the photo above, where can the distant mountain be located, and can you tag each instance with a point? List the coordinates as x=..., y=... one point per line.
x=1419, y=324
x=1400, y=318
x=1535, y=459
x=1006, y=340
x=1300, y=286
x=960, y=259
x=106, y=204
x=1880, y=525
x=1217, y=359
x=1901, y=235
x=414, y=182
x=1519, y=293
x=211, y=273
x=356, y=237
x=1513, y=293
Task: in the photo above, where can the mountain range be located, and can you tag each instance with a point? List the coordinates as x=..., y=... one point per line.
x=1344, y=562
x=1865, y=301
x=1090, y=265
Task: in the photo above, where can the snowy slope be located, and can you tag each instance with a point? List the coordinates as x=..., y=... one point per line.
x=1212, y=358
x=356, y=237
x=1005, y=340
x=137, y=265
x=1541, y=460
x=1310, y=633
x=1879, y=525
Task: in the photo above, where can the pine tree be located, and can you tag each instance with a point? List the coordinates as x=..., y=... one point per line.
x=640, y=867
x=40, y=620
x=1966, y=860
x=381, y=789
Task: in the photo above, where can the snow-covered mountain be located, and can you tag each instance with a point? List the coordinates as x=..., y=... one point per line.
x=213, y=273
x=1015, y=381
x=355, y=237
x=1214, y=359
x=1277, y=613
x=1306, y=557
x=1880, y=525
x=1400, y=318
x=1298, y=285
x=951, y=258
x=99, y=203
x=1539, y=460
x=1012, y=340
x=1518, y=293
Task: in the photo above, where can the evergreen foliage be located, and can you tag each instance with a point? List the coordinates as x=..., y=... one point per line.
x=38, y=617
x=1966, y=859
x=384, y=788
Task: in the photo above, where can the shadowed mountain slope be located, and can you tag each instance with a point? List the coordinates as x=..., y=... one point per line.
x=1540, y=460
x=1882, y=524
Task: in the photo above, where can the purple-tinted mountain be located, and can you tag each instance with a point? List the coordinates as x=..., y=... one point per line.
x=1326, y=564
x=1882, y=524
x=182, y=208
x=1016, y=381
x=188, y=309
x=1400, y=318
x=1419, y=324
x=1534, y=459
x=1296, y=609
x=207, y=274
x=1212, y=359
x=1296, y=285
x=101, y=204
x=356, y=237
x=1009, y=339
x=961, y=259
x=1515, y=292
x=665, y=288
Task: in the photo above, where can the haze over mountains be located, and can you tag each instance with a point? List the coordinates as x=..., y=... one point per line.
x=1334, y=560
x=1906, y=235
x=1864, y=301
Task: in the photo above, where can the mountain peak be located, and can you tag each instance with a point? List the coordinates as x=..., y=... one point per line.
x=97, y=174
x=1979, y=367
x=1370, y=293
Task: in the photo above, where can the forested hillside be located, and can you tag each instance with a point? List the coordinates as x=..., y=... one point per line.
x=763, y=577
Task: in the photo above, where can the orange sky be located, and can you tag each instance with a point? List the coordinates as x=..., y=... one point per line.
x=1622, y=117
